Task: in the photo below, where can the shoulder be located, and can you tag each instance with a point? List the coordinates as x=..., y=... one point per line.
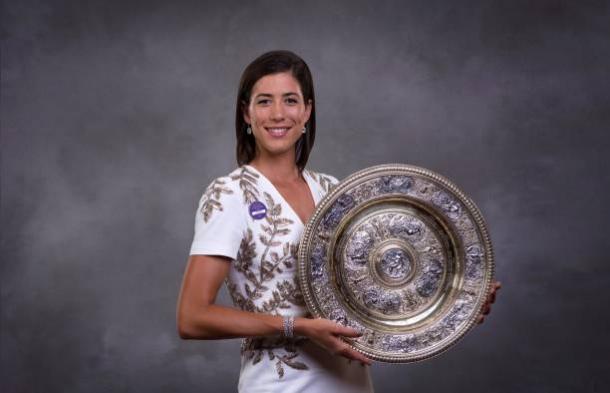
x=240, y=187
x=239, y=181
x=325, y=181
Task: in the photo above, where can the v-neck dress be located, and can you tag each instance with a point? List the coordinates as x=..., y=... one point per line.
x=242, y=216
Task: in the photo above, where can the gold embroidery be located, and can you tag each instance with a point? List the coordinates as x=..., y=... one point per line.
x=276, y=256
x=325, y=181
x=247, y=183
x=212, y=198
x=255, y=348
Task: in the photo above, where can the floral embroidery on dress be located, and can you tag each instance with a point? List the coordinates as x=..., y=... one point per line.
x=285, y=291
x=247, y=180
x=276, y=257
x=243, y=264
x=212, y=198
x=326, y=182
x=255, y=348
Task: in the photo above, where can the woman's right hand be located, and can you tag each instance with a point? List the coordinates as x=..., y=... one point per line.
x=327, y=334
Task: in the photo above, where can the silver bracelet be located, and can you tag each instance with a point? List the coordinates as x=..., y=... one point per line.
x=288, y=326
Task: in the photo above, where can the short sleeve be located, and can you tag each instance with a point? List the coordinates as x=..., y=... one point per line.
x=326, y=182
x=219, y=221
x=333, y=180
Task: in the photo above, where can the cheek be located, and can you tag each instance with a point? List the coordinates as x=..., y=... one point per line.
x=256, y=115
x=297, y=113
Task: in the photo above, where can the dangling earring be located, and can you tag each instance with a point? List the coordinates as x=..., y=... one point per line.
x=304, y=130
x=249, y=130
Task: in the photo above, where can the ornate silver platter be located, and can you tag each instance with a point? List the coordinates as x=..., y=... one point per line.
x=400, y=253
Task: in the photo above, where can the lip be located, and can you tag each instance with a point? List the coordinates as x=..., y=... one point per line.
x=278, y=131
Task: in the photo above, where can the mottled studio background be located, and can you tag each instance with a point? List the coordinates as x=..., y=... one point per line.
x=116, y=115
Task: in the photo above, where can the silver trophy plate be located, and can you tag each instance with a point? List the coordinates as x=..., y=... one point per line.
x=400, y=253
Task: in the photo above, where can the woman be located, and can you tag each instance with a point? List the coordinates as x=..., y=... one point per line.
x=247, y=229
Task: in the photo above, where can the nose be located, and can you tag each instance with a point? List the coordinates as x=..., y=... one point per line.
x=277, y=111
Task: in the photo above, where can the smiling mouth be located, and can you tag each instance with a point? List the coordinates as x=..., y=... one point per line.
x=278, y=132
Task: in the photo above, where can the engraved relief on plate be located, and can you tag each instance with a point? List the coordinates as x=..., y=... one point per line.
x=400, y=253
x=390, y=263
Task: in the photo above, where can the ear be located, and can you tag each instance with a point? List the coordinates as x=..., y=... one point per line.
x=244, y=110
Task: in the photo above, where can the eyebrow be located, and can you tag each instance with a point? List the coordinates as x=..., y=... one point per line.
x=271, y=95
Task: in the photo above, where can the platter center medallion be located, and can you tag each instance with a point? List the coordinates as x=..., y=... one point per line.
x=394, y=265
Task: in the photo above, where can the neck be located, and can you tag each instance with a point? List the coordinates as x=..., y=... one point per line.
x=278, y=169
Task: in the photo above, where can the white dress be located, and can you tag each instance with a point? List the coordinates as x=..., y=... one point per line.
x=242, y=216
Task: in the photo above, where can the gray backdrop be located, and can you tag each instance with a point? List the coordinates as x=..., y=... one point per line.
x=116, y=115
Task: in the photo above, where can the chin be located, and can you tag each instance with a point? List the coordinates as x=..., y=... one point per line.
x=276, y=146
x=281, y=151
x=277, y=149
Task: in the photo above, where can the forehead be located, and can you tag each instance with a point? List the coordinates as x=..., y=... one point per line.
x=280, y=83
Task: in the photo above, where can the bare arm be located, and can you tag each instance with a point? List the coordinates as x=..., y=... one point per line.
x=199, y=318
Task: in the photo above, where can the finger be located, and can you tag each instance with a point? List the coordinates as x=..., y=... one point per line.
x=494, y=288
x=349, y=352
x=346, y=331
x=480, y=319
x=486, y=310
x=492, y=298
x=352, y=354
x=340, y=349
x=360, y=357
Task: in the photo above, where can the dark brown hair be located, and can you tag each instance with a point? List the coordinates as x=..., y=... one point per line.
x=266, y=64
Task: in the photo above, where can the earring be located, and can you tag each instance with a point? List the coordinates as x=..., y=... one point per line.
x=249, y=130
x=304, y=130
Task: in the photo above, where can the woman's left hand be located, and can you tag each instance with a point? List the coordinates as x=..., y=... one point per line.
x=491, y=298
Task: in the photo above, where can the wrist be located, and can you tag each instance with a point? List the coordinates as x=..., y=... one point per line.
x=288, y=326
x=300, y=326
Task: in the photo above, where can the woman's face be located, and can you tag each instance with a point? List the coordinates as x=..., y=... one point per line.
x=277, y=114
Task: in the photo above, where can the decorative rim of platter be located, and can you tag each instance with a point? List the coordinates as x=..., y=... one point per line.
x=400, y=253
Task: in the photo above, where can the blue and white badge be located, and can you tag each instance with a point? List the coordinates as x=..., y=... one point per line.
x=257, y=210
